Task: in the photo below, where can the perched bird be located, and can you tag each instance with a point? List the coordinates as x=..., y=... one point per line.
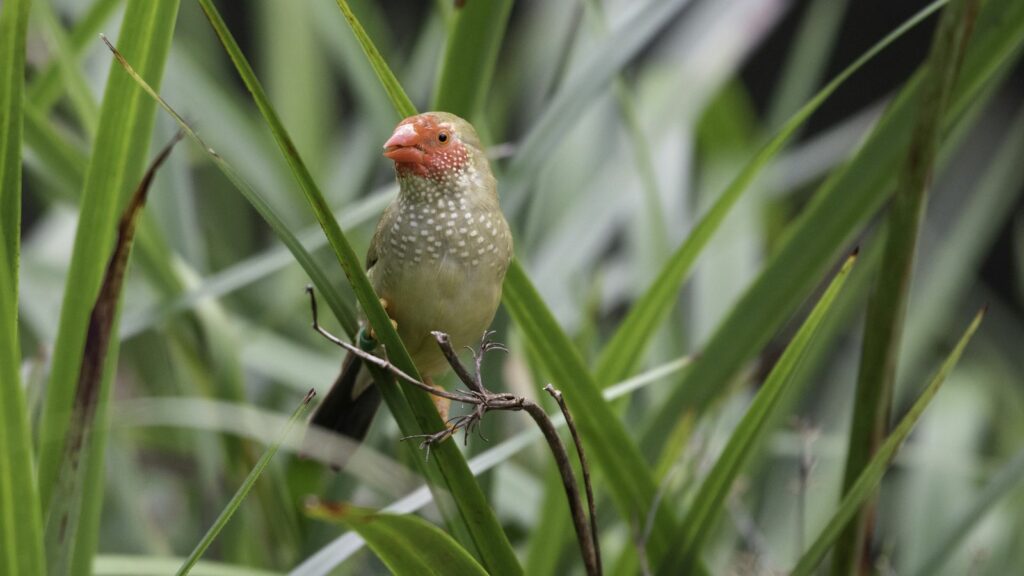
x=437, y=259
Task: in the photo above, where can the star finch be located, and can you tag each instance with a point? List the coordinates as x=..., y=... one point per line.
x=437, y=259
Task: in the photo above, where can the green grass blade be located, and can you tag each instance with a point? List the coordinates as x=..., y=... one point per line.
x=808, y=56
x=709, y=502
x=470, y=56
x=406, y=544
x=872, y=474
x=243, y=490
x=21, y=537
x=886, y=313
x=472, y=519
x=126, y=122
x=611, y=450
x=13, y=26
x=963, y=249
x=840, y=207
x=624, y=352
x=399, y=99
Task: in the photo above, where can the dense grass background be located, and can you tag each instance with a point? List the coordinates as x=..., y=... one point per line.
x=685, y=180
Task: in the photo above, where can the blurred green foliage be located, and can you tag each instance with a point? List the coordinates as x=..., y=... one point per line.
x=652, y=209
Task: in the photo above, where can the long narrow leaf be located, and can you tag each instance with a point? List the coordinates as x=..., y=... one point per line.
x=625, y=350
x=887, y=305
x=470, y=56
x=472, y=520
x=710, y=498
x=13, y=25
x=21, y=538
x=406, y=544
x=399, y=99
x=243, y=490
x=868, y=480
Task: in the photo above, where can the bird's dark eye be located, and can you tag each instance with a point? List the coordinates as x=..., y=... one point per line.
x=442, y=137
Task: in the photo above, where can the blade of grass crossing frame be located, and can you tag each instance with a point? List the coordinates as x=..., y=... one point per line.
x=840, y=207
x=625, y=351
x=21, y=537
x=399, y=99
x=13, y=27
x=243, y=490
x=126, y=122
x=872, y=474
x=406, y=544
x=709, y=501
x=473, y=520
x=470, y=56
x=887, y=305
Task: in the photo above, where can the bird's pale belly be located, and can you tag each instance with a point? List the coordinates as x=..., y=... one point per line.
x=445, y=294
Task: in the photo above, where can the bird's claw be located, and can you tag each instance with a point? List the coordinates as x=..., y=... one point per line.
x=394, y=323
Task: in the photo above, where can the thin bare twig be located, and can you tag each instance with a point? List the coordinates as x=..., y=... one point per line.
x=557, y=395
x=484, y=401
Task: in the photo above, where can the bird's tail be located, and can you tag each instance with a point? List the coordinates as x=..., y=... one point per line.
x=349, y=406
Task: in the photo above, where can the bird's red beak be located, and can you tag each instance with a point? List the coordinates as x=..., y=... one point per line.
x=404, y=146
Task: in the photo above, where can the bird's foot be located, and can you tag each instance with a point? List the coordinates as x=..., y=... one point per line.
x=394, y=323
x=475, y=394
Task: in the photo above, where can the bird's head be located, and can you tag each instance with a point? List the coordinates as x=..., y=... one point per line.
x=435, y=145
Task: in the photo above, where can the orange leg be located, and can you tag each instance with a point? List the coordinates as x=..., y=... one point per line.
x=394, y=323
x=443, y=405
